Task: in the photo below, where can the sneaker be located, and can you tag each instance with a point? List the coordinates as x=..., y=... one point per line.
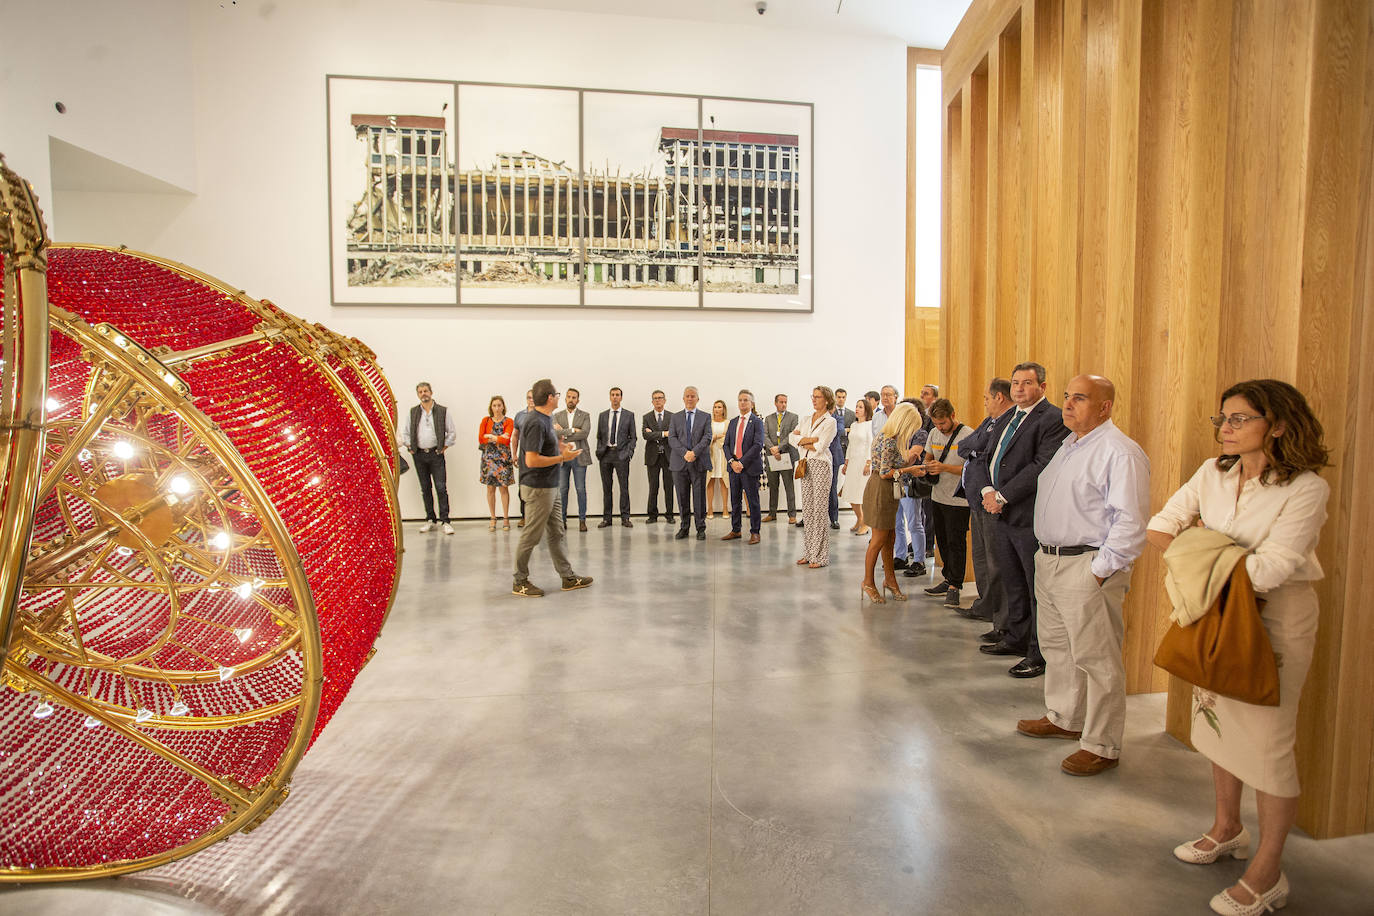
x=573, y=582
x=426, y=527
x=952, y=597
x=527, y=590
x=448, y=529
x=899, y=563
x=938, y=591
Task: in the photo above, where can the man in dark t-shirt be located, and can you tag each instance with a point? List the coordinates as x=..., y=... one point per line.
x=540, y=455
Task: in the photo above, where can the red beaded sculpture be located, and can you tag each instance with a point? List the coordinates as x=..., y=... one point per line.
x=197, y=561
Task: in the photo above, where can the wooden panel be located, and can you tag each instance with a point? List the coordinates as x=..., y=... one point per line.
x=1179, y=195
x=1008, y=213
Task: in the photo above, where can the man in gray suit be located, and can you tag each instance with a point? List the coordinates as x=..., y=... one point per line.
x=689, y=455
x=777, y=426
x=573, y=425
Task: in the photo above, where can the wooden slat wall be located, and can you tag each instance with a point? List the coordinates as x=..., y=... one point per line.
x=1177, y=194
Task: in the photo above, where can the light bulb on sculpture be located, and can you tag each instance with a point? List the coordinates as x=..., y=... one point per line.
x=122, y=450
x=43, y=710
x=244, y=590
x=52, y=404
x=179, y=485
x=220, y=540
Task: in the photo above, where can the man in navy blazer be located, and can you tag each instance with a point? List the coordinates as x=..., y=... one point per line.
x=615, y=446
x=744, y=459
x=689, y=457
x=1022, y=441
x=991, y=603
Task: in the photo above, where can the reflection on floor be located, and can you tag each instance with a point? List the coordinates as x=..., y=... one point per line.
x=708, y=728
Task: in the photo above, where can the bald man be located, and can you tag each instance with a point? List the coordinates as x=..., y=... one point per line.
x=1090, y=512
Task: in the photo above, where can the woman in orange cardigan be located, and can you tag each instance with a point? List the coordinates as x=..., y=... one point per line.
x=497, y=469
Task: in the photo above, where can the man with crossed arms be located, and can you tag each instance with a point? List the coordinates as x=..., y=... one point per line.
x=1090, y=513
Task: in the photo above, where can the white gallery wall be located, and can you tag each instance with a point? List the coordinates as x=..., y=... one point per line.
x=225, y=103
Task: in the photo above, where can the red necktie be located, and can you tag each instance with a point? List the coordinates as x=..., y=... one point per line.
x=739, y=438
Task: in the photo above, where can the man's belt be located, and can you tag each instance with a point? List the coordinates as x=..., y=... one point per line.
x=1077, y=550
x=428, y=451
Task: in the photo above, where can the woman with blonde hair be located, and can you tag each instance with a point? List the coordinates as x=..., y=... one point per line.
x=1263, y=492
x=715, y=478
x=812, y=437
x=891, y=457
x=497, y=464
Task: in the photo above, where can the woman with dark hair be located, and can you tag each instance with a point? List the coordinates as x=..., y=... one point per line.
x=812, y=437
x=857, y=463
x=1265, y=494
x=497, y=465
x=893, y=455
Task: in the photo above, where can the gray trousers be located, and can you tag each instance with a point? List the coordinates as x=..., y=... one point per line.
x=543, y=519
x=991, y=599
x=784, y=480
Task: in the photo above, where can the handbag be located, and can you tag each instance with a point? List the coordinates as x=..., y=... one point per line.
x=922, y=487
x=1227, y=651
x=800, y=470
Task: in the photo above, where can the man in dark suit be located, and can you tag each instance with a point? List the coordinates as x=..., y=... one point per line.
x=615, y=445
x=840, y=397
x=656, y=457
x=689, y=442
x=744, y=459
x=837, y=447
x=1023, y=442
x=976, y=450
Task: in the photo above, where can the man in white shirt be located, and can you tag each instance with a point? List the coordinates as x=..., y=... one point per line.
x=1091, y=509
x=428, y=434
x=887, y=401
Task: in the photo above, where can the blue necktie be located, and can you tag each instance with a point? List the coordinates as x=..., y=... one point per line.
x=690, y=415
x=1006, y=443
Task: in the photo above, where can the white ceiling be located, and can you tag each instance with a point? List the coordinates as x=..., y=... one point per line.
x=918, y=23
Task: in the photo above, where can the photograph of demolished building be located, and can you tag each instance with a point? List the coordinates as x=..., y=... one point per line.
x=392, y=231
x=572, y=197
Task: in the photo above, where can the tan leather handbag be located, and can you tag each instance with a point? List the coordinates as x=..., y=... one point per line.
x=1227, y=651
x=800, y=470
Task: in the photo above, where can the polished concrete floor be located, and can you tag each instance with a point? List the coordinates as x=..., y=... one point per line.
x=707, y=729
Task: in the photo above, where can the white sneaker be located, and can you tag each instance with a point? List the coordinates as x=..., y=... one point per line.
x=448, y=529
x=426, y=527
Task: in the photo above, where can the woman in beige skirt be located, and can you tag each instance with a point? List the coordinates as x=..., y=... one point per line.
x=1265, y=494
x=891, y=457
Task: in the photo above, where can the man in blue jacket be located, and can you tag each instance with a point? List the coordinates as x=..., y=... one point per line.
x=689, y=457
x=744, y=459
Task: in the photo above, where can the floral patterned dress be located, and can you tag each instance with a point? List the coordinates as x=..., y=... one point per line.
x=497, y=466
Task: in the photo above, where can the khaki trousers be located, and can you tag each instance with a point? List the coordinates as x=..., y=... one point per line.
x=543, y=521
x=1081, y=628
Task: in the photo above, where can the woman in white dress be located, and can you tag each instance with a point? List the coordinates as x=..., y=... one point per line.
x=715, y=478
x=1265, y=494
x=856, y=464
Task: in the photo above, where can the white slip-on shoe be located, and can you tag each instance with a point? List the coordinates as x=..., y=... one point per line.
x=448, y=529
x=1276, y=898
x=1238, y=847
x=426, y=527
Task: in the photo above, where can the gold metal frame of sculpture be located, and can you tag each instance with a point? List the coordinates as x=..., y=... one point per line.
x=128, y=380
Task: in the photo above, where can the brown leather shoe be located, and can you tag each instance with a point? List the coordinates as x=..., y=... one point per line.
x=581, y=526
x=753, y=539
x=732, y=536
x=1086, y=763
x=1044, y=728
x=770, y=517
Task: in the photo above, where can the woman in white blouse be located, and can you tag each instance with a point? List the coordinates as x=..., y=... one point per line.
x=812, y=437
x=715, y=478
x=1265, y=493
x=856, y=464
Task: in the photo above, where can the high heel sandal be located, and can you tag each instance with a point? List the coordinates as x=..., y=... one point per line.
x=896, y=592
x=875, y=596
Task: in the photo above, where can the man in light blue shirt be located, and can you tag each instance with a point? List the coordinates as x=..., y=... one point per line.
x=1091, y=508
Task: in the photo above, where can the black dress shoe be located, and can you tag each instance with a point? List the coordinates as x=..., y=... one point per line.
x=938, y=590
x=604, y=523
x=626, y=523
x=651, y=521
x=670, y=518
x=681, y=534
x=999, y=648
x=801, y=524
x=993, y=635
x=701, y=535
x=973, y=613
x=834, y=526
x=899, y=562
x=1027, y=668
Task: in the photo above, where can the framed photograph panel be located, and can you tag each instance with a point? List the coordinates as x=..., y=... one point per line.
x=755, y=200
x=638, y=202
x=391, y=223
